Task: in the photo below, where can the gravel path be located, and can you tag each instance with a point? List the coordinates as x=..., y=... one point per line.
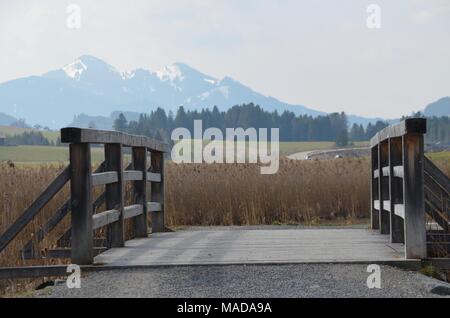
x=304, y=280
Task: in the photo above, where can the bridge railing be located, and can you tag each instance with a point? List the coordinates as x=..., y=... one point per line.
x=112, y=174
x=397, y=178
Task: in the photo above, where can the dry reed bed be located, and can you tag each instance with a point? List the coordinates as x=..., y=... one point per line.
x=301, y=192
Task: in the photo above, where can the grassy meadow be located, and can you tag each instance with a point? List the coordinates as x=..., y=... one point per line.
x=11, y=131
x=50, y=154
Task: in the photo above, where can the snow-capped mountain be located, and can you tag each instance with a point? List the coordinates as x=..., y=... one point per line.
x=91, y=86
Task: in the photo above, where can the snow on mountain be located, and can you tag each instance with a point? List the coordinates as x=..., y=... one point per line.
x=75, y=69
x=91, y=86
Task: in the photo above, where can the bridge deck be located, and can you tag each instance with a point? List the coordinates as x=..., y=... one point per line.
x=255, y=246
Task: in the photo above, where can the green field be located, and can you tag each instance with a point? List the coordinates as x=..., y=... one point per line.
x=444, y=155
x=43, y=154
x=11, y=131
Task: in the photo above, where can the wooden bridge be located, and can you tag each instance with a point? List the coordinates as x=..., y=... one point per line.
x=410, y=213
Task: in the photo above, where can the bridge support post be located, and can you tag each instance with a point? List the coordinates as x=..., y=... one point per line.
x=383, y=182
x=396, y=189
x=414, y=201
x=114, y=194
x=157, y=192
x=140, y=191
x=375, y=214
x=81, y=204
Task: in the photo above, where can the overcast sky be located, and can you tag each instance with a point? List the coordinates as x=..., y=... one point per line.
x=317, y=53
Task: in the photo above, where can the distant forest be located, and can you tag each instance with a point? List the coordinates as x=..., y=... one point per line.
x=331, y=127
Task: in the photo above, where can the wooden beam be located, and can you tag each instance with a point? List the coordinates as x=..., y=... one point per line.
x=397, y=231
x=34, y=208
x=114, y=195
x=436, y=174
x=153, y=177
x=132, y=211
x=67, y=252
x=103, y=178
x=47, y=228
x=399, y=210
x=374, y=196
x=376, y=205
x=414, y=201
x=139, y=157
x=154, y=206
x=398, y=171
x=133, y=175
x=383, y=187
x=376, y=174
x=157, y=191
x=408, y=126
x=105, y=218
x=81, y=204
x=81, y=135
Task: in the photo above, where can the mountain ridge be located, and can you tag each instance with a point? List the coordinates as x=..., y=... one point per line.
x=91, y=86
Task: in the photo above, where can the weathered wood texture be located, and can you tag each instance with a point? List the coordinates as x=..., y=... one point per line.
x=114, y=194
x=139, y=156
x=81, y=203
x=157, y=191
x=34, y=209
x=375, y=210
x=397, y=176
x=413, y=192
x=254, y=246
x=81, y=135
x=408, y=126
x=396, y=189
x=383, y=187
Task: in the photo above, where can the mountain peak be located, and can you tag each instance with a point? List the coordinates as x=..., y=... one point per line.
x=88, y=63
x=75, y=69
x=171, y=73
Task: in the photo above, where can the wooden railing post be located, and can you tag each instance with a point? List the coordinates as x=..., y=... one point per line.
x=81, y=203
x=114, y=194
x=375, y=213
x=139, y=155
x=157, y=191
x=413, y=192
x=396, y=190
x=383, y=160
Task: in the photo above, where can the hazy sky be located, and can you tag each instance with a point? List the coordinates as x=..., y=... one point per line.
x=317, y=53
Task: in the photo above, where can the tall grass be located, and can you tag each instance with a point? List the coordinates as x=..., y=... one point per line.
x=237, y=194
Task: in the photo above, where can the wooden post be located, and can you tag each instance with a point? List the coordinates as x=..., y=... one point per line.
x=396, y=190
x=81, y=204
x=139, y=155
x=114, y=194
x=375, y=214
x=157, y=191
x=383, y=190
x=413, y=191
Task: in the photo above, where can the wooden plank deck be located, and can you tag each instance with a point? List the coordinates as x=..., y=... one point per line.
x=255, y=246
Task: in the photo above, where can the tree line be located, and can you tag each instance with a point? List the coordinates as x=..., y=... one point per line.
x=35, y=138
x=331, y=127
